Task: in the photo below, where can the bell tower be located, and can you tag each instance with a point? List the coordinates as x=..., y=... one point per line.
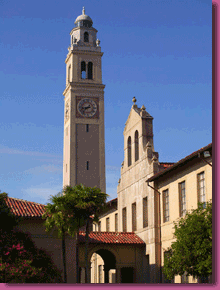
x=84, y=143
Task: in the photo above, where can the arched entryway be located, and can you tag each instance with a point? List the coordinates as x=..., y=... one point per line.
x=103, y=267
x=118, y=255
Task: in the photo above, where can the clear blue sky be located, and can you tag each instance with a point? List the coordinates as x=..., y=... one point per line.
x=158, y=51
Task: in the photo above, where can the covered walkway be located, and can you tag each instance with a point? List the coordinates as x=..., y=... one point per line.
x=119, y=251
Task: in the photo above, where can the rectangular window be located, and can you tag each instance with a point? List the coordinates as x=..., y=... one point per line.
x=145, y=212
x=66, y=167
x=134, y=219
x=107, y=224
x=99, y=226
x=166, y=206
x=124, y=220
x=182, y=199
x=201, y=187
x=87, y=165
x=87, y=127
x=67, y=131
x=116, y=222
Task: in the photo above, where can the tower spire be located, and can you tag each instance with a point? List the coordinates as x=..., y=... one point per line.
x=83, y=11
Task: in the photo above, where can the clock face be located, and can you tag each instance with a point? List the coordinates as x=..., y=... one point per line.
x=87, y=107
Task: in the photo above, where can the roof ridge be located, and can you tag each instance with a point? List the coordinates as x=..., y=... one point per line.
x=20, y=199
x=192, y=155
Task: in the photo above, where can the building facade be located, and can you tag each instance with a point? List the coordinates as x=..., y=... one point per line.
x=175, y=189
x=179, y=189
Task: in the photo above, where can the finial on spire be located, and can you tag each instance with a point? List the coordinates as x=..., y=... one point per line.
x=134, y=100
x=83, y=11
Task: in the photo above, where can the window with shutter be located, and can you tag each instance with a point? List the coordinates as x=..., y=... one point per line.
x=165, y=205
x=182, y=199
x=201, y=187
x=116, y=222
x=124, y=221
x=145, y=212
x=134, y=219
x=107, y=224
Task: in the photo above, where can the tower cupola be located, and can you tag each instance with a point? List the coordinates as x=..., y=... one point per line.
x=83, y=20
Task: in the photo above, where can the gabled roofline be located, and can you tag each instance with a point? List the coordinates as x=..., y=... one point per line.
x=179, y=163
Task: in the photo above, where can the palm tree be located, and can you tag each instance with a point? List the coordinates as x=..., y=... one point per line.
x=57, y=214
x=69, y=212
x=87, y=202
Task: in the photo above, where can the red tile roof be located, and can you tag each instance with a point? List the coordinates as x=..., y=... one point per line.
x=179, y=163
x=165, y=165
x=111, y=238
x=24, y=208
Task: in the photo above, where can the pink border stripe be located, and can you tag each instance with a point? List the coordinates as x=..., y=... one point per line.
x=216, y=185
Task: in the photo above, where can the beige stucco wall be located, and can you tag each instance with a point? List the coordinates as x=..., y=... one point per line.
x=188, y=174
x=52, y=244
x=132, y=187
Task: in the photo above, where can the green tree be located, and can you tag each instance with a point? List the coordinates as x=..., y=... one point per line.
x=192, y=250
x=20, y=260
x=6, y=214
x=58, y=215
x=72, y=210
x=87, y=202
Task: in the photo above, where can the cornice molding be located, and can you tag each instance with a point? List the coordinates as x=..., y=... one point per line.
x=73, y=86
x=83, y=28
x=83, y=52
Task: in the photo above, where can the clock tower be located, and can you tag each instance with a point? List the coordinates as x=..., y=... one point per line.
x=84, y=144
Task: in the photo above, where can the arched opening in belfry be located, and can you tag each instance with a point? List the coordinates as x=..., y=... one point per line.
x=90, y=67
x=86, y=37
x=129, y=150
x=83, y=70
x=136, y=141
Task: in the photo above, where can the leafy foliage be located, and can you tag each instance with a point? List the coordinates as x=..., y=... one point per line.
x=6, y=214
x=20, y=260
x=71, y=210
x=192, y=251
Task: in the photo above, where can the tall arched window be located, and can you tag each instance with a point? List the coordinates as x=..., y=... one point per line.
x=136, y=145
x=129, y=150
x=86, y=37
x=83, y=70
x=90, y=65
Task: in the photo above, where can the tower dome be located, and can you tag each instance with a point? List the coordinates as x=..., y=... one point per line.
x=83, y=20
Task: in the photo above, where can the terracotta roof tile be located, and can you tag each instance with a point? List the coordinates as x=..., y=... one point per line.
x=111, y=238
x=24, y=208
x=165, y=165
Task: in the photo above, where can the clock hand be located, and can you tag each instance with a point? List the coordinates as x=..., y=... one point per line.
x=85, y=108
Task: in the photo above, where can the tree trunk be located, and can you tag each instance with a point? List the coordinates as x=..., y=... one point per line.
x=64, y=256
x=86, y=252
x=77, y=256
